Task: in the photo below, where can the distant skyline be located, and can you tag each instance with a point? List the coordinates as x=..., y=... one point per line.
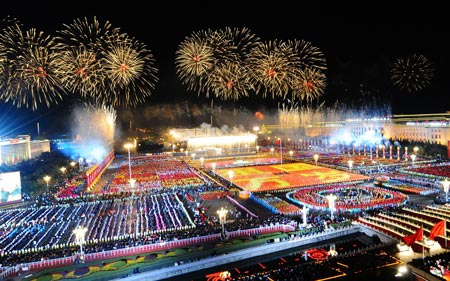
x=360, y=43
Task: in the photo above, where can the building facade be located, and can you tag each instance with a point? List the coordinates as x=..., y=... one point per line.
x=21, y=148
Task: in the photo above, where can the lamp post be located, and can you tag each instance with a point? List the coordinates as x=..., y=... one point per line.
x=193, y=156
x=350, y=164
x=80, y=233
x=272, y=150
x=230, y=175
x=316, y=158
x=415, y=149
x=213, y=167
x=331, y=200
x=413, y=158
x=63, y=170
x=257, y=149
x=305, y=215
x=202, y=160
x=281, y=153
x=446, y=185
x=80, y=163
x=222, y=219
x=256, y=129
x=291, y=153
x=132, y=183
x=47, y=179
x=128, y=146
x=171, y=138
x=72, y=164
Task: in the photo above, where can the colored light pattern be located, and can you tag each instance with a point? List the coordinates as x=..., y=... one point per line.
x=286, y=176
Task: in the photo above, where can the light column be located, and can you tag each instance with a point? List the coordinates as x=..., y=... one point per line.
x=230, y=175
x=80, y=233
x=413, y=158
x=47, y=179
x=331, y=204
x=222, y=219
x=350, y=164
x=316, y=158
x=128, y=146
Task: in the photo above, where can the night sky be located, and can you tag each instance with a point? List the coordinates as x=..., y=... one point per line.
x=360, y=42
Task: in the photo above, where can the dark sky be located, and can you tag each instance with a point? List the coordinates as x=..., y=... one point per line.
x=360, y=41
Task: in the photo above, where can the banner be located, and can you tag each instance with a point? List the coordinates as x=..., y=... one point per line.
x=437, y=230
x=410, y=239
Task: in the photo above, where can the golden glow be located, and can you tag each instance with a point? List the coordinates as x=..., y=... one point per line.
x=221, y=140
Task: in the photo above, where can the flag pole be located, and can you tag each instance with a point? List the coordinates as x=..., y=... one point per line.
x=423, y=244
x=445, y=233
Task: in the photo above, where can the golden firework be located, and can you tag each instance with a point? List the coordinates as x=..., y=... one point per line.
x=413, y=73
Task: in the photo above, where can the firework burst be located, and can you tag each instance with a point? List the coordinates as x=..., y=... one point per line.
x=242, y=39
x=412, y=73
x=88, y=33
x=212, y=61
x=104, y=65
x=80, y=71
x=130, y=72
x=31, y=68
x=309, y=85
x=307, y=55
x=194, y=61
x=271, y=68
x=229, y=82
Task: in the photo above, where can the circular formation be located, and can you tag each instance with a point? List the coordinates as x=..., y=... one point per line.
x=347, y=197
x=317, y=254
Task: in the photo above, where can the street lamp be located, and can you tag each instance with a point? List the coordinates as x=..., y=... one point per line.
x=132, y=183
x=213, y=167
x=331, y=200
x=256, y=129
x=128, y=146
x=350, y=164
x=291, y=153
x=316, y=158
x=257, y=149
x=202, y=160
x=193, y=156
x=230, y=175
x=415, y=149
x=272, y=150
x=446, y=185
x=171, y=138
x=305, y=215
x=80, y=232
x=222, y=219
x=72, y=164
x=63, y=170
x=413, y=158
x=80, y=163
x=47, y=179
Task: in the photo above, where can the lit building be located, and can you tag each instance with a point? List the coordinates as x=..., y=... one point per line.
x=21, y=148
x=213, y=141
x=433, y=128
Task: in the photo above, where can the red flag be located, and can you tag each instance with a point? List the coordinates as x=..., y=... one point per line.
x=410, y=239
x=438, y=229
